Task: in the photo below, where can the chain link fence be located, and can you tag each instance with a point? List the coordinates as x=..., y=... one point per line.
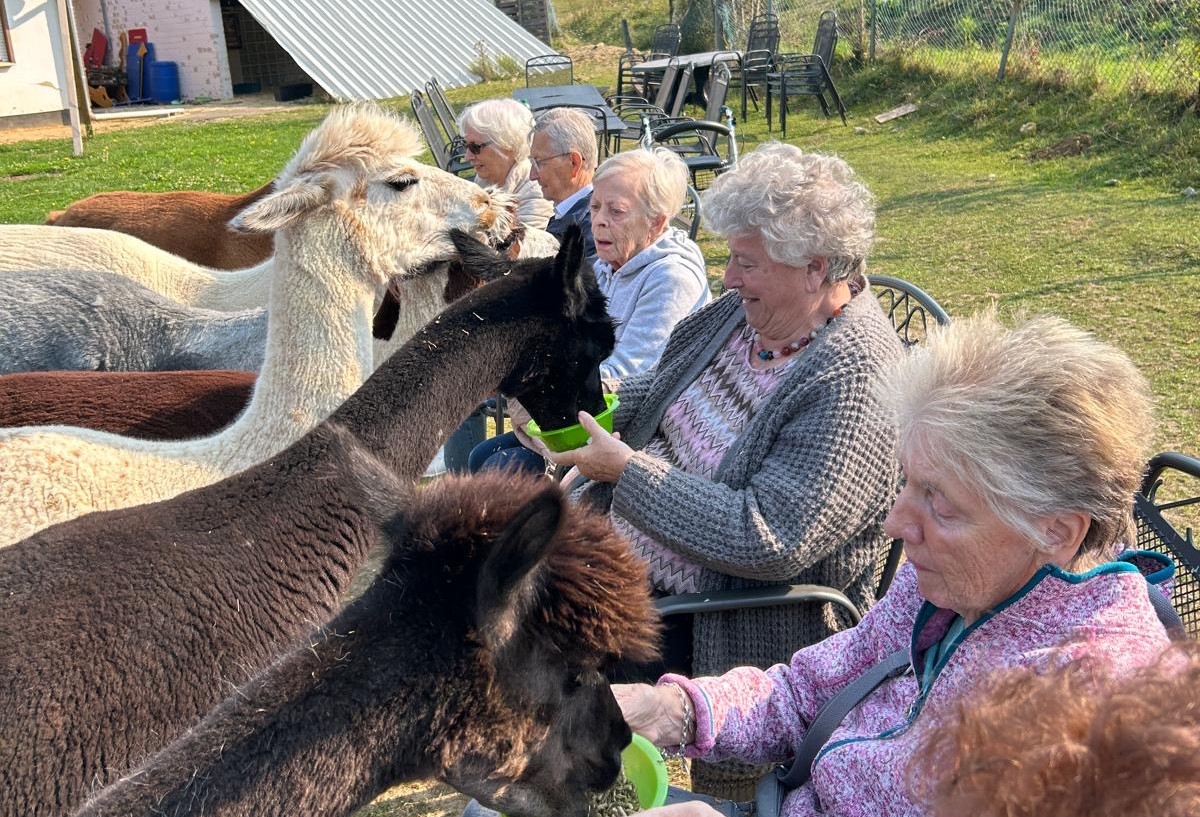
x=1136, y=45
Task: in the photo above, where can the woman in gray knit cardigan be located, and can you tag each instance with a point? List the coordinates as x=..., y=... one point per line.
x=756, y=452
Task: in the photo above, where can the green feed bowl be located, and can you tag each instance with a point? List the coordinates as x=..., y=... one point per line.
x=645, y=769
x=564, y=439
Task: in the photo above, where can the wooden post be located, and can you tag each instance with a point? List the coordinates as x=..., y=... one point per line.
x=1008, y=39
x=71, y=66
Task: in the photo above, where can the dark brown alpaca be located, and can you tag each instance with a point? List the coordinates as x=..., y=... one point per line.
x=150, y=405
x=476, y=657
x=163, y=405
x=193, y=224
x=145, y=618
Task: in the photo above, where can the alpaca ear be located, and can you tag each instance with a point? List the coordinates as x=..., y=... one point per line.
x=508, y=575
x=478, y=257
x=568, y=268
x=280, y=207
x=386, y=317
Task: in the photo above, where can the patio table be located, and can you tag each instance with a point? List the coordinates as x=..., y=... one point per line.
x=540, y=98
x=702, y=64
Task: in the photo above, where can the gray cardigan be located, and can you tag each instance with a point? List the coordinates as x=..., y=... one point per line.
x=800, y=496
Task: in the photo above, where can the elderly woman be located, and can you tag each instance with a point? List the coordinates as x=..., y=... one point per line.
x=1021, y=451
x=652, y=274
x=497, y=135
x=756, y=452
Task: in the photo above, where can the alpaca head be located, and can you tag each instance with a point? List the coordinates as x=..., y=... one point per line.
x=540, y=596
x=355, y=195
x=557, y=374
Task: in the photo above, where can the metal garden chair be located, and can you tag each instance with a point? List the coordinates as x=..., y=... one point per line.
x=807, y=74
x=549, y=69
x=1165, y=509
x=447, y=154
x=445, y=113
x=689, y=216
x=762, y=42
x=709, y=146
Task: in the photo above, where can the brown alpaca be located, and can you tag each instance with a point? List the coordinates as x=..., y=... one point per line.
x=150, y=405
x=146, y=618
x=193, y=224
x=164, y=405
x=475, y=657
x=1071, y=742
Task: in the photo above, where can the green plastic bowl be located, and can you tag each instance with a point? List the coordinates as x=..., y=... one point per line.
x=565, y=439
x=644, y=767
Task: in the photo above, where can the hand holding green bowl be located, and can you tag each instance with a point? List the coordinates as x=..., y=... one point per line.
x=574, y=436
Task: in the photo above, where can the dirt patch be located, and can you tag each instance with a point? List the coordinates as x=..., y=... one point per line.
x=221, y=110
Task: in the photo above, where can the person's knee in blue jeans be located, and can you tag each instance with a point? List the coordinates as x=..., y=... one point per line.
x=458, y=446
x=505, y=452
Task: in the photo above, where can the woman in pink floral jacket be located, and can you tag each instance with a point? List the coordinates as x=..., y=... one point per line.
x=1021, y=451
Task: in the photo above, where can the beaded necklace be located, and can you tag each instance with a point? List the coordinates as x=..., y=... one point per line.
x=764, y=353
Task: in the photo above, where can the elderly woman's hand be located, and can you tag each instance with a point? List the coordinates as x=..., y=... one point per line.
x=654, y=712
x=603, y=459
x=520, y=418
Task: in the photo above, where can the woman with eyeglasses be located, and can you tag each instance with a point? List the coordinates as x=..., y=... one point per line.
x=497, y=134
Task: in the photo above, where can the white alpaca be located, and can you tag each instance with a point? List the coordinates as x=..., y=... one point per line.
x=38, y=247
x=351, y=210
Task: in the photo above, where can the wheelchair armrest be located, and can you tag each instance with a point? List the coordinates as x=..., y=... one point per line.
x=754, y=597
x=671, y=131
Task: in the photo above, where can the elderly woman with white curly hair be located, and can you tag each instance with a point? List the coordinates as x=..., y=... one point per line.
x=1021, y=450
x=497, y=135
x=756, y=451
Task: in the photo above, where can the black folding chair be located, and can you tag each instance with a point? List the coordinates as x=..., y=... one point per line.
x=762, y=43
x=636, y=110
x=709, y=146
x=446, y=154
x=807, y=74
x=663, y=45
x=445, y=114
x=549, y=69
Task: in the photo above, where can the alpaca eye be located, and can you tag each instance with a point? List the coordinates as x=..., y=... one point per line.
x=401, y=184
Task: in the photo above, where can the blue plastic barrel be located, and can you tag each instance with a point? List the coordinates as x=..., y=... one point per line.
x=138, y=69
x=164, y=81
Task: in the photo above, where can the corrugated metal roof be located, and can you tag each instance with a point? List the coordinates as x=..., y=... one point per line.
x=374, y=49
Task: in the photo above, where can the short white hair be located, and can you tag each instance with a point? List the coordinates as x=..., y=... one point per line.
x=1040, y=419
x=662, y=174
x=505, y=122
x=802, y=205
x=567, y=130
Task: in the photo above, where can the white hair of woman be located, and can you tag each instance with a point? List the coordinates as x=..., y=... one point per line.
x=505, y=121
x=664, y=178
x=804, y=205
x=1038, y=419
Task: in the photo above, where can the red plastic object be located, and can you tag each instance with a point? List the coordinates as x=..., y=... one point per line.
x=96, y=50
x=138, y=35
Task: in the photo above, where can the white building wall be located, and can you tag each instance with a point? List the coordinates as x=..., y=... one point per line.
x=186, y=32
x=35, y=82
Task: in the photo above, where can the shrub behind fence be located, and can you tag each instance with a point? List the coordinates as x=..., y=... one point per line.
x=1138, y=45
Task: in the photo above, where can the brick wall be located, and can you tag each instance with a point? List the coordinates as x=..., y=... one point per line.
x=186, y=32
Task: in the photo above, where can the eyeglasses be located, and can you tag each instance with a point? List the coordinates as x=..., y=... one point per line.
x=476, y=147
x=538, y=162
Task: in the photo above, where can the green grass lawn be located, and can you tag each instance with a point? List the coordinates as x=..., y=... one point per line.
x=961, y=212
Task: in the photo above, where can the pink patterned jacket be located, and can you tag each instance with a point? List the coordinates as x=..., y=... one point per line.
x=761, y=717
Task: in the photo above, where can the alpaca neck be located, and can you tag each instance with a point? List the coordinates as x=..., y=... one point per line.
x=318, y=348
x=420, y=395
x=347, y=700
x=235, y=289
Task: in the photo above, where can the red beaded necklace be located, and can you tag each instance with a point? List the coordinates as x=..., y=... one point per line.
x=764, y=353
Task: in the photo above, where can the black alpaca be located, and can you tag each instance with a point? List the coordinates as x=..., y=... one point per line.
x=119, y=630
x=475, y=657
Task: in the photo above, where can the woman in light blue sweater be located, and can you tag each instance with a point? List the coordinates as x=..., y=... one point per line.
x=652, y=274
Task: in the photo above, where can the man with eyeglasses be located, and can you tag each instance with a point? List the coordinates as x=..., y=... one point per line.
x=563, y=159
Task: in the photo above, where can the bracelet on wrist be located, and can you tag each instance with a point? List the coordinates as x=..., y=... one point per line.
x=686, y=725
